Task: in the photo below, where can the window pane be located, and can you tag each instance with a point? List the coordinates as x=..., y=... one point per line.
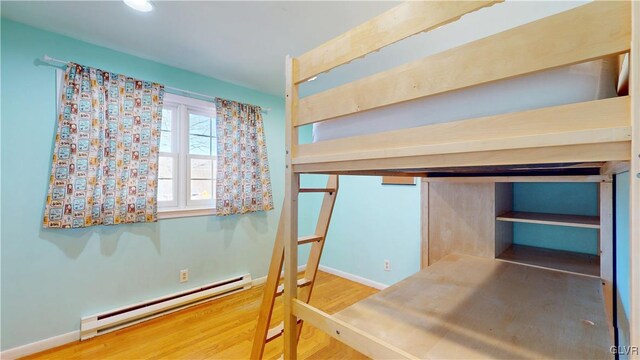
x=199, y=145
x=201, y=189
x=165, y=141
x=199, y=125
x=165, y=190
x=167, y=116
x=165, y=167
x=201, y=169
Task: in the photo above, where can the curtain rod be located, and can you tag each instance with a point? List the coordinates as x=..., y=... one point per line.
x=48, y=59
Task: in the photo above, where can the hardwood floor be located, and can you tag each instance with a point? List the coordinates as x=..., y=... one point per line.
x=220, y=329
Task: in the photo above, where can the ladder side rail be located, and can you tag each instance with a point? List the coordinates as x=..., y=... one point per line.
x=269, y=295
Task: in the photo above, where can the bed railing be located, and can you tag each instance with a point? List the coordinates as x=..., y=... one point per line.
x=590, y=131
x=596, y=30
x=394, y=25
x=586, y=33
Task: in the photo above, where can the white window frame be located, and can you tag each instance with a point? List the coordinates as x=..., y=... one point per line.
x=198, y=203
x=174, y=155
x=183, y=205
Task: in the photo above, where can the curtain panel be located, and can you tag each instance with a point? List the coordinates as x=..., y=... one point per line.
x=243, y=182
x=105, y=159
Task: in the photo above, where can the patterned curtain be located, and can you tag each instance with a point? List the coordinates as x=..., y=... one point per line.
x=105, y=159
x=243, y=183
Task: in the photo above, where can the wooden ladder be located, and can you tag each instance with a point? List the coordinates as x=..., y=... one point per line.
x=272, y=289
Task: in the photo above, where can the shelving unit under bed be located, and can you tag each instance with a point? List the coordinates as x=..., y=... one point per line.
x=464, y=306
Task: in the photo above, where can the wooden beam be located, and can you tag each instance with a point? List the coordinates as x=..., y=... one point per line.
x=606, y=246
x=400, y=22
x=585, y=33
x=368, y=345
x=614, y=167
x=540, y=155
x=424, y=224
x=269, y=294
x=512, y=179
x=634, y=182
x=594, y=136
x=382, y=173
x=290, y=214
x=591, y=121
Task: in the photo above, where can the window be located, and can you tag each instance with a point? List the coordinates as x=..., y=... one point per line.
x=187, y=162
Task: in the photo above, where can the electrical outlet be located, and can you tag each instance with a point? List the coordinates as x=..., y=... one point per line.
x=387, y=265
x=184, y=275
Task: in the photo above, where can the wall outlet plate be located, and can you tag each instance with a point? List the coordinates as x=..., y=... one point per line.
x=184, y=275
x=387, y=265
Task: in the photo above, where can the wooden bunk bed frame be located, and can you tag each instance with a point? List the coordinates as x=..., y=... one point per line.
x=582, y=136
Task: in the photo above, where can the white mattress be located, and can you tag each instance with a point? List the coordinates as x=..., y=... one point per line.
x=582, y=82
x=576, y=83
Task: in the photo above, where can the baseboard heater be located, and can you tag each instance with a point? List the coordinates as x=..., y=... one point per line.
x=105, y=322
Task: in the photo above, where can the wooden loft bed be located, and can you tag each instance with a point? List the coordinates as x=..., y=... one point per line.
x=580, y=139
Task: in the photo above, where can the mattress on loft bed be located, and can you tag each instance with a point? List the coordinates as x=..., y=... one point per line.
x=565, y=85
x=467, y=307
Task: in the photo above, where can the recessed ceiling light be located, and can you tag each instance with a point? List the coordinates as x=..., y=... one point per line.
x=140, y=5
x=313, y=78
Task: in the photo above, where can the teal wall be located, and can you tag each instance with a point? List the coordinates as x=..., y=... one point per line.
x=374, y=222
x=622, y=249
x=557, y=198
x=50, y=278
x=371, y=223
x=61, y=275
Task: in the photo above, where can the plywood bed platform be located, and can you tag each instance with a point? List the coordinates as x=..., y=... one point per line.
x=471, y=307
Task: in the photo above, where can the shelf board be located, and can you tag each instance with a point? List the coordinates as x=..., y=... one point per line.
x=470, y=307
x=591, y=222
x=566, y=261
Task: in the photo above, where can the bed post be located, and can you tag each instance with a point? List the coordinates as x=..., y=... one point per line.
x=290, y=213
x=634, y=179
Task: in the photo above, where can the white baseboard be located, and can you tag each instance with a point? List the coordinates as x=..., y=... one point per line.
x=336, y=272
x=356, y=278
x=263, y=279
x=59, y=340
x=41, y=345
x=72, y=336
x=258, y=281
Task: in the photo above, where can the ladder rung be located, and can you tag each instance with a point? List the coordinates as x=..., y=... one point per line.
x=301, y=283
x=309, y=239
x=276, y=331
x=310, y=190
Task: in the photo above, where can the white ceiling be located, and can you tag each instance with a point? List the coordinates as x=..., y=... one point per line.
x=243, y=42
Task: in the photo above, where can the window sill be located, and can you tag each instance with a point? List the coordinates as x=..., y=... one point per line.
x=182, y=213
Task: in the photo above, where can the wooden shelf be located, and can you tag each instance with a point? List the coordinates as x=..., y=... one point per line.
x=566, y=261
x=476, y=308
x=591, y=222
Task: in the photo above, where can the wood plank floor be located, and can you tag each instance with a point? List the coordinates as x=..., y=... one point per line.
x=220, y=329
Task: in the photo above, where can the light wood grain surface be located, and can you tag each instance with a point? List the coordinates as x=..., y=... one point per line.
x=578, y=123
x=585, y=33
x=553, y=259
x=400, y=22
x=592, y=222
x=475, y=308
x=461, y=220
